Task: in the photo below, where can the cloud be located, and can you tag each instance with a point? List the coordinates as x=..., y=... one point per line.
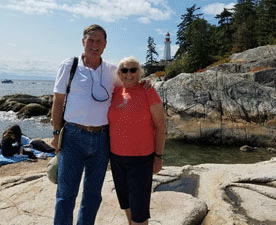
x=11, y=45
x=28, y=67
x=161, y=31
x=106, y=10
x=216, y=8
x=31, y=6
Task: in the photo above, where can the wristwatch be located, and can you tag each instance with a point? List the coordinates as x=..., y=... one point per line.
x=56, y=132
x=158, y=156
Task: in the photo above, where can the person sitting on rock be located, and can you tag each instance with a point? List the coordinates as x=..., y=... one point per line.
x=11, y=143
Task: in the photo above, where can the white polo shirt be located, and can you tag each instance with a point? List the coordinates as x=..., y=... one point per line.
x=81, y=108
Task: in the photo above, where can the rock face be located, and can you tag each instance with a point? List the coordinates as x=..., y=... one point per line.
x=238, y=194
x=30, y=200
x=242, y=91
x=223, y=194
x=223, y=90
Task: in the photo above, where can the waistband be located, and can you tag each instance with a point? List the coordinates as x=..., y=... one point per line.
x=90, y=128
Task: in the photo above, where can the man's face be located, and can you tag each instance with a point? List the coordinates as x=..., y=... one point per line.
x=94, y=44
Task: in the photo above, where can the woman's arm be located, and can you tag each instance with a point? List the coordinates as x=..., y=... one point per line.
x=159, y=120
x=56, y=113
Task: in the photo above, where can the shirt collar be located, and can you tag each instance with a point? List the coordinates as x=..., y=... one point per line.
x=83, y=68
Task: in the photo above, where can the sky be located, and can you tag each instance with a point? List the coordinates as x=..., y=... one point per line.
x=37, y=35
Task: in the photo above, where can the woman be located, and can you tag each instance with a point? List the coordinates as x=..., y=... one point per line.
x=11, y=143
x=137, y=137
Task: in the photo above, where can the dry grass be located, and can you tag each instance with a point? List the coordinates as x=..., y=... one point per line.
x=259, y=68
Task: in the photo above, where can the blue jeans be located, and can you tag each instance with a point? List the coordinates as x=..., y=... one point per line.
x=81, y=149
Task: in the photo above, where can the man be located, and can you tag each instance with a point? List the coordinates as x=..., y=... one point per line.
x=86, y=140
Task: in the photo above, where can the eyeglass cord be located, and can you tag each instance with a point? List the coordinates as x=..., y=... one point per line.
x=101, y=85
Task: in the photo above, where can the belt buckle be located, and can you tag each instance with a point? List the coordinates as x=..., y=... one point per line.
x=91, y=129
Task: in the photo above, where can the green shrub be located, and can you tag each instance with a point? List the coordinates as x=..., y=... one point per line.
x=176, y=67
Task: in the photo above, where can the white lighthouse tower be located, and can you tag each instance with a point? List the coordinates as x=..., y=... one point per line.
x=167, y=49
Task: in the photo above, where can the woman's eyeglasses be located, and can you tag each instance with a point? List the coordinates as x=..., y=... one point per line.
x=132, y=70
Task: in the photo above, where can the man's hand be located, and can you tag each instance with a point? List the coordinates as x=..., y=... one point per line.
x=146, y=83
x=54, y=143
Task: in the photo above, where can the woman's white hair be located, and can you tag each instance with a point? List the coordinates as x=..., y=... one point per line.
x=130, y=59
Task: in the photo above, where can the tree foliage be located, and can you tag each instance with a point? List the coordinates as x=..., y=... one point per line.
x=187, y=19
x=151, y=57
x=251, y=23
x=199, y=45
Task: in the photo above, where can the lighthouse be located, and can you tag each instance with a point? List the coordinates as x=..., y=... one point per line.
x=167, y=49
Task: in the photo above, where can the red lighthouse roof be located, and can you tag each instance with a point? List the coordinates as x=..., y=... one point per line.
x=167, y=38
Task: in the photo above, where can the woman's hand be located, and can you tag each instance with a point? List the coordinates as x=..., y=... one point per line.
x=157, y=164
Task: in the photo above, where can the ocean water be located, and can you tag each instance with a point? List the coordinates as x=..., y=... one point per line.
x=32, y=127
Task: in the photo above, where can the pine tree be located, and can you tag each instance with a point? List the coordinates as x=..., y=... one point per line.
x=151, y=57
x=199, y=44
x=224, y=32
x=187, y=19
x=266, y=23
x=244, y=27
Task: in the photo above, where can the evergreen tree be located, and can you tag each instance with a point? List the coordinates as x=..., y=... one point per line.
x=225, y=18
x=199, y=44
x=266, y=23
x=151, y=56
x=187, y=19
x=244, y=36
x=224, y=32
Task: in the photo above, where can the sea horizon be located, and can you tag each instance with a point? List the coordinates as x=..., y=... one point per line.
x=26, y=77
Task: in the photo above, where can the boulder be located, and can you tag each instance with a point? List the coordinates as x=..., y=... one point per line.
x=32, y=109
x=11, y=105
x=28, y=105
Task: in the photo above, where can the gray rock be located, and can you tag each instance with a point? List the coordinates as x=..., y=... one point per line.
x=11, y=105
x=32, y=109
x=246, y=148
x=27, y=105
x=30, y=200
x=225, y=194
x=256, y=54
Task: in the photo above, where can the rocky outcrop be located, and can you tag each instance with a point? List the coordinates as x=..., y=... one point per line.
x=214, y=194
x=27, y=106
x=238, y=194
x=242, y=91
x=30, y=200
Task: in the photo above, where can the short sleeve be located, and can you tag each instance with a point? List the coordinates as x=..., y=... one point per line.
x=62, y=77
x=152, y=96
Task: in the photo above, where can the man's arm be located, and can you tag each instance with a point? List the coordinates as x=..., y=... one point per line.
x=56, y=114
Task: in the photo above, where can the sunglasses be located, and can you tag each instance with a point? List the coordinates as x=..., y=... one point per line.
x=132, y=70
